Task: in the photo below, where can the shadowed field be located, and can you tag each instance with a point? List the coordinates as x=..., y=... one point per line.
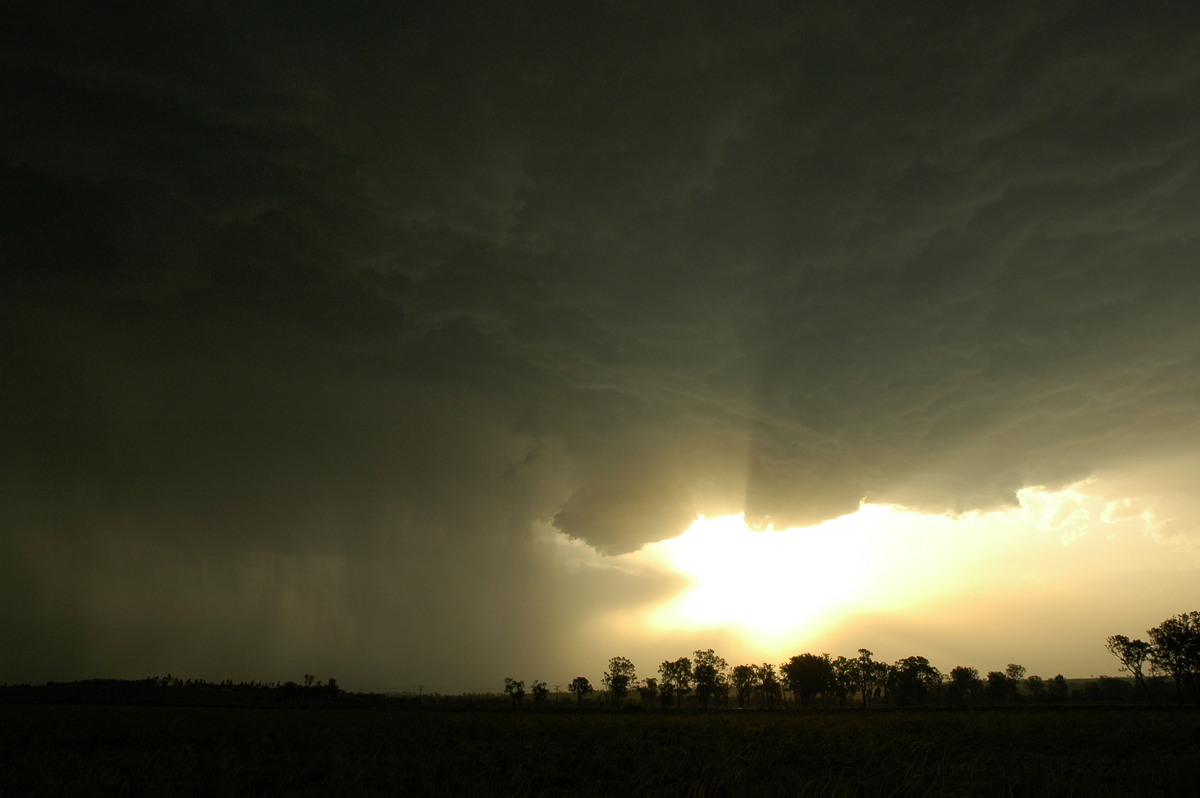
x=148, y=750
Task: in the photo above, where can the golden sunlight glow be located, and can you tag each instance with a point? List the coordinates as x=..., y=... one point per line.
x=1039, y=582
x=768, y=581
x=774, y=585
x=980, y=588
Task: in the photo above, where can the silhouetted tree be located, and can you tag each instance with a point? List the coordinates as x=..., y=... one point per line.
x=1176, y=650
x=867, y=676
x=914, y=681
x=580, y=686
x=1058, y=689
x=1037, y=687
x=843, y=678
x=743, y=678
x=964, y=683
x=515, y=690
x=649, y=691
x=807, y=675
x=1133, y=656
x=619, y=677
x=766, y=681
x=711, y=674
x=999, y=687
x=540, y=691
x=676, y=681
x=1016, y=675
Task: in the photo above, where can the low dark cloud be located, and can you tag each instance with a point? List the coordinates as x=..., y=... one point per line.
x=349, y=300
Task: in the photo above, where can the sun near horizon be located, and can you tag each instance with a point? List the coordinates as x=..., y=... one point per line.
x=948, y=586
x=779, y=585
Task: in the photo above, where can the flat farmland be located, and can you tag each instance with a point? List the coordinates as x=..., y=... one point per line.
x=173, y=750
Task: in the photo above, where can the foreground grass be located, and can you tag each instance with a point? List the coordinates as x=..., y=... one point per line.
x=145, y=750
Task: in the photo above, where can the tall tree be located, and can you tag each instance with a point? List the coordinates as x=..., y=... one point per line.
x=843, y=678
x=744, y=678
x=540, y=691
x=515, y=690
x=619, y=677
x=711, y=674
x=649, y=691
x=766, y=681
x=914, y=681
x=964, y=683
x=1176, y=651
x=807, y=675
x=1133, y=656
x=1015, y=674
x=580, y=686
x=868, y=676
x=999, y=687
x=676, y=680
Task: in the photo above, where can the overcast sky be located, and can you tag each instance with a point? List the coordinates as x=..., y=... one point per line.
x=377, y=341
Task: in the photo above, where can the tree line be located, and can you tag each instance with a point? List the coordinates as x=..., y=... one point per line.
x=706, y=679
x=174, y=691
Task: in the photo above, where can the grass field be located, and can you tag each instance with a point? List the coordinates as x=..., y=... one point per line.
x=148, y=750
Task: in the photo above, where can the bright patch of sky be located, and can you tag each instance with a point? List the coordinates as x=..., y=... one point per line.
x=981, y=589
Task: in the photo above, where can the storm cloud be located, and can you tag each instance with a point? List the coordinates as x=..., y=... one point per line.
x=313, y=317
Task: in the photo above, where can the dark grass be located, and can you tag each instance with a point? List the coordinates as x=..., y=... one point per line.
x=148, y=750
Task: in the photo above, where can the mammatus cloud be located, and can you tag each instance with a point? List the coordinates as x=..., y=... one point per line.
x=393, y=287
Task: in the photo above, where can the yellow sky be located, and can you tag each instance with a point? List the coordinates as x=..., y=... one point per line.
x=1041, y=584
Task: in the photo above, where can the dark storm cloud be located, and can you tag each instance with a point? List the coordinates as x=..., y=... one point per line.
x=388, y=285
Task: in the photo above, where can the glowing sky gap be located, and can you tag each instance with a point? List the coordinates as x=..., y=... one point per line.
x=775, y=592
